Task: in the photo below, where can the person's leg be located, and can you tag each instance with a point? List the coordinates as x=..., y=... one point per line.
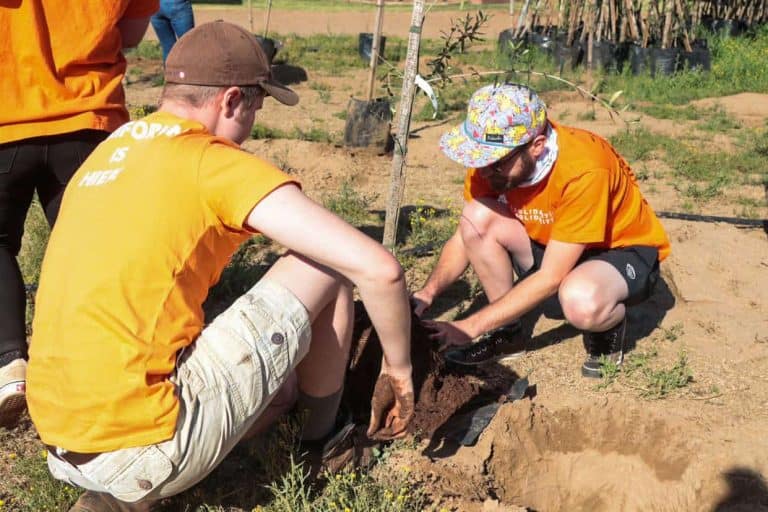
x=594, y=297
x=321, y=372
x=161, y=23
x=490, y=236
x=64, y=156
x=181, y=17
x=497, y=247
x=18, y=164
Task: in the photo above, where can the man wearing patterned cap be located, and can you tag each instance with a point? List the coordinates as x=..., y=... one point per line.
x=557, y=208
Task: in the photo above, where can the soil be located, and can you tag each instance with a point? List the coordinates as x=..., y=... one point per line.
x=570, y=445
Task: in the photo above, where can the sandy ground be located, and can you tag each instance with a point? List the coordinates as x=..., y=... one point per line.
x=575, y=447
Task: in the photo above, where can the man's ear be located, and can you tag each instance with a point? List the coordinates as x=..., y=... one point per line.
x=230, y=99
x=537, y=145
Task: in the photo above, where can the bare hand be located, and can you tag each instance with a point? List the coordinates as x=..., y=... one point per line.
x=447, y=334
x=420, y=302
x=393, y=402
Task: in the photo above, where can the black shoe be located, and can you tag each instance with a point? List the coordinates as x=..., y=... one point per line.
x=497, y=345
x=609, y=343
x=348, y=447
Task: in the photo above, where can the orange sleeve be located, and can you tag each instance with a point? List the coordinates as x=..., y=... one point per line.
x=141, y=8
x=581, y=215
x=475, y=186
x=233, y=181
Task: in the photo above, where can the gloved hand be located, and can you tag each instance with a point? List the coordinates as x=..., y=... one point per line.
x=392, y=404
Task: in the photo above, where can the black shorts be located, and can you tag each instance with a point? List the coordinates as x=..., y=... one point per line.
x=637, y=264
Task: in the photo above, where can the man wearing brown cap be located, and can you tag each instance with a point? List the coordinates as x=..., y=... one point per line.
x=135, y=398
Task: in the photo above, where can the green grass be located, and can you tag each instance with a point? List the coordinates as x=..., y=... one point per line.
x=36, y=490
x=738, y=65
x=146, y=50
x=349, y=204
x=313, y=134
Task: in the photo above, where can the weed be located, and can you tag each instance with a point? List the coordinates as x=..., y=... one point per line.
x=718, y=120
x=323, y=91
x=430, y=228
x=659, y=383
x=140, y=111
x=146, y=50
x=587, y=115
x=610, y=372
x=342, y=114
x=259, y=131
x=40, y=492
x=668, y=111
x=349, y=204
x=639, y=143
x=673, y=333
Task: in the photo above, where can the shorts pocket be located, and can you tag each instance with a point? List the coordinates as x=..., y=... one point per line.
x=7, y=157
x=129, y=474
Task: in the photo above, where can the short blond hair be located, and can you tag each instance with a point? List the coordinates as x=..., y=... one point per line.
x=200, y=95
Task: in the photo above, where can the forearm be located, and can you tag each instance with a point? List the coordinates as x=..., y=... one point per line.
x=525, y=296
x=386, y=302
x=453, y=261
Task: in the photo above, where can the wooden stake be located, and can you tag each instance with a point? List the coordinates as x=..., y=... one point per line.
x=666, y=35
x=269, y=14
x=630, y=6
x=397, y=179
x=250, y=14
x=375, y=47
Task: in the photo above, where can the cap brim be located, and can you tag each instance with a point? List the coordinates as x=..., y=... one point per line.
x=280, y=92
x=459, y=147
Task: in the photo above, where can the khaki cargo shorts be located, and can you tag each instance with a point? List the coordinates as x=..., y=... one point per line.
x=224, y=381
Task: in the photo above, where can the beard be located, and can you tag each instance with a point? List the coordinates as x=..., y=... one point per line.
x=528, y=167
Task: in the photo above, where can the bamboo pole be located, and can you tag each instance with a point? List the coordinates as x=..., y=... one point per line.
x=397, y=180
x=521, y=19
x=269, y=15
x=666, y=35
x=682, y=16
x=250, y=14
x=630, y=7
x=375, y=47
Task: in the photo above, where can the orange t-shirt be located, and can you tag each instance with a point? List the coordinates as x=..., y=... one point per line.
x=589, y=197
x=62, y=64
x=147, y=225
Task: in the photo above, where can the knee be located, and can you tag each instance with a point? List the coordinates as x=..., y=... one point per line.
x=477, y=220
x=581, y=305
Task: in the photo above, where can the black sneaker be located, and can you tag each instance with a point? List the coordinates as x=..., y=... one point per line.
x=609, y=343
x=498, y=345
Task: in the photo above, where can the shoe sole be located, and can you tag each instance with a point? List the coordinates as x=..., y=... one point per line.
x=11, y=409
x=495, y=359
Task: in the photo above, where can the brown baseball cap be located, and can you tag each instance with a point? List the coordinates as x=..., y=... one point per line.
x=223, y=54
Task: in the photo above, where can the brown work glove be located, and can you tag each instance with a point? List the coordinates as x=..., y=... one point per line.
x=392, y=405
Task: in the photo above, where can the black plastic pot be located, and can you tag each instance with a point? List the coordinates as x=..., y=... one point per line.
x=699, y=58
x=506, y=40
x=666, y=61
x=604, y=56
x=567, y=57
x=639, y=59
x=368, y=124
x=365, y=45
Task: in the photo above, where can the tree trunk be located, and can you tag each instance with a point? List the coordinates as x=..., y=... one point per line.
x=397, y=179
